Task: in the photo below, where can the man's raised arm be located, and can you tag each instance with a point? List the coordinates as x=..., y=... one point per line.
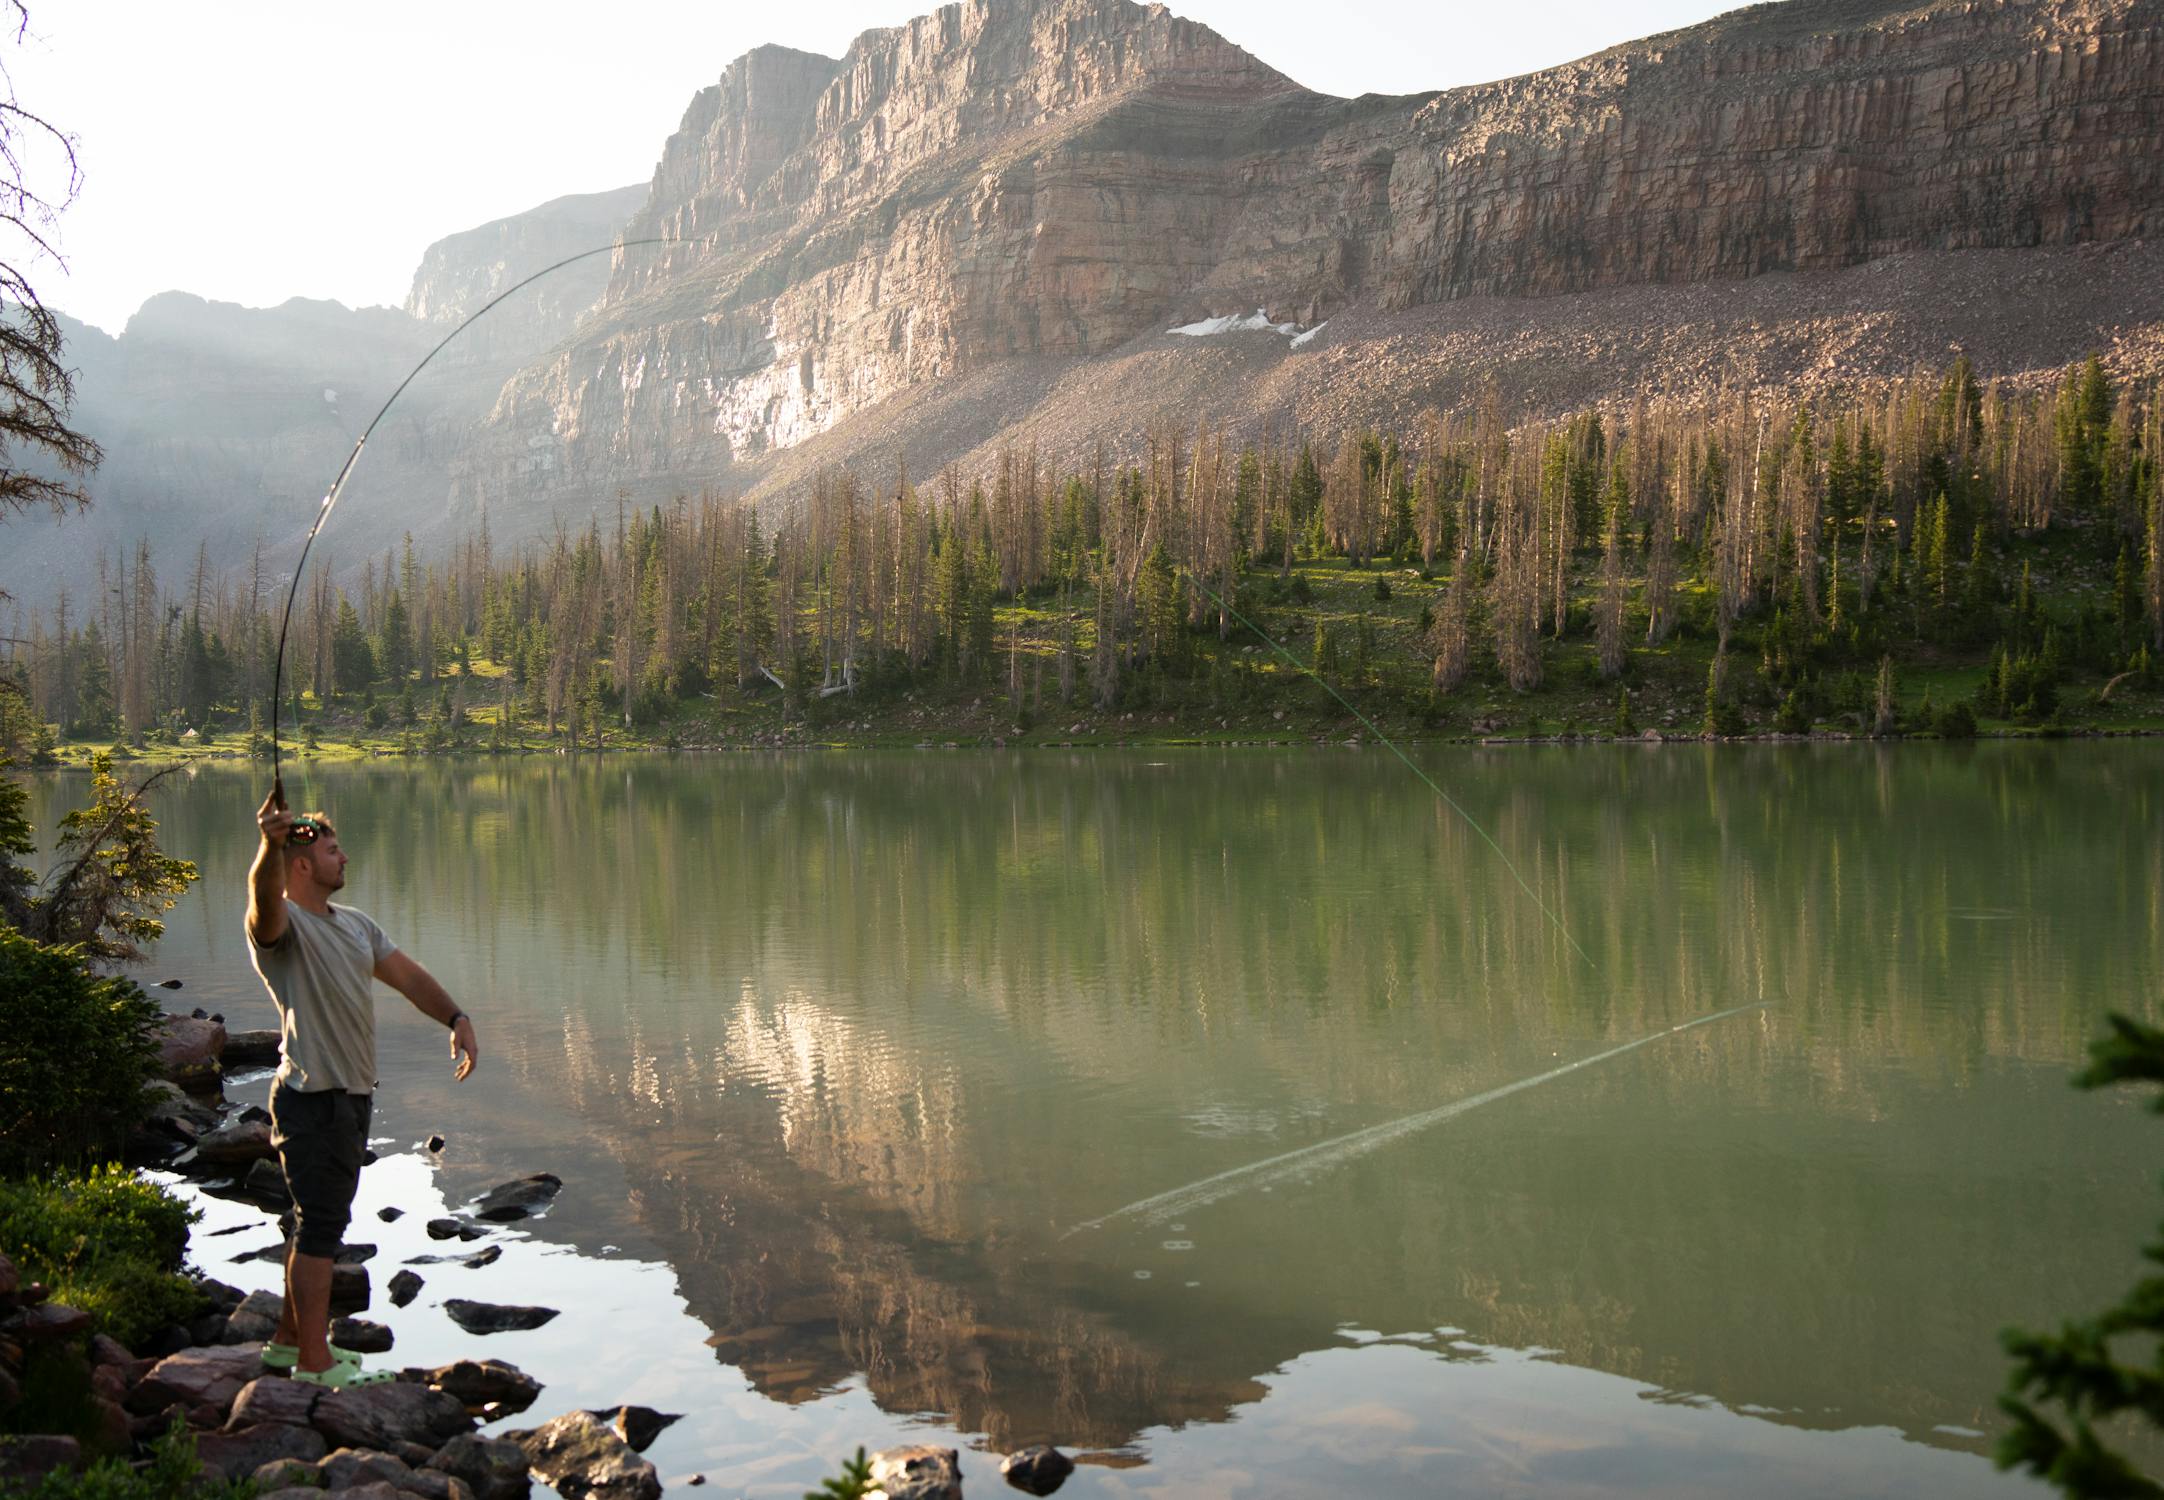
x=267, y=876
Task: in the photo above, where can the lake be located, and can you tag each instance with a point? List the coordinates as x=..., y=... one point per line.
x=1160, y=1104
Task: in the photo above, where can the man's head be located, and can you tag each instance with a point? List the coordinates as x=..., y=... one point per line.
x=313, y=858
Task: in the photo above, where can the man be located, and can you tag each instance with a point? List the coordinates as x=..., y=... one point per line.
x=316, y=960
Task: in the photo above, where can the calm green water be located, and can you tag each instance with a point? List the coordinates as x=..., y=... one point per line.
x=836, y=1052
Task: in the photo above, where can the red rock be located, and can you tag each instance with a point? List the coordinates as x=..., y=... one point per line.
x=274, y=1398
x=50, y=1322
x=27, y=1459
x=237, y=1455
x=188, y=1049
x=196, y=1377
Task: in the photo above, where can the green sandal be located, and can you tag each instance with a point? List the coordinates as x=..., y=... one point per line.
x=343, y=1377
x=285, y=1357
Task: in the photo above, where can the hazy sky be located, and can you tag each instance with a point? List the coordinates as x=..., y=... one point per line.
x=255, y=150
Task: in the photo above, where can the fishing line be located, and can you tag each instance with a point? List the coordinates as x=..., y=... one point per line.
x=345, y=472
x=1390, y=744
x=1340, y=1149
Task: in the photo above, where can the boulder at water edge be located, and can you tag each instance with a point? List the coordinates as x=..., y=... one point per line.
x=582, y=1457
x=919, y=1472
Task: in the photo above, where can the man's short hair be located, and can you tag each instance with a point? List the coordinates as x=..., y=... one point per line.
x=307, y=828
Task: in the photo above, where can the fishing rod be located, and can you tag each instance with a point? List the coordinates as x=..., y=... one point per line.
x=345, y=472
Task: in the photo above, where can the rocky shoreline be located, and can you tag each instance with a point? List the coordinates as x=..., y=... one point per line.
x=416, y=1437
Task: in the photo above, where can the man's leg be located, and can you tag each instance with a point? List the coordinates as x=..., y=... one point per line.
x=306, y=1321
x=320, y=1140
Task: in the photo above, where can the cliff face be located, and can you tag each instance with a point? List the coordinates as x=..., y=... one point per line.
x=1031, y=179
x=982, y=225
x=462, y=273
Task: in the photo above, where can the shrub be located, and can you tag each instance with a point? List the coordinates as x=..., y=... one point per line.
x=75, y=1055
x=1956, y=721
x=109, y=1244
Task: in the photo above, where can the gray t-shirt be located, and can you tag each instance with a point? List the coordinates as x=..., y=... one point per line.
x=319, y=975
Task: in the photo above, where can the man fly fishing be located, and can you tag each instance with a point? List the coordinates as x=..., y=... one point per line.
x=317, y=961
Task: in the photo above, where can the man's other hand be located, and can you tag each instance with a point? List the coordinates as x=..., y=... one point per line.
x=465, y=1051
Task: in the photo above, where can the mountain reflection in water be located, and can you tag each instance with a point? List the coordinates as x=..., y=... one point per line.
x=866, y=1034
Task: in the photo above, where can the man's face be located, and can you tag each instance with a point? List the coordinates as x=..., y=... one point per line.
x=326, y=862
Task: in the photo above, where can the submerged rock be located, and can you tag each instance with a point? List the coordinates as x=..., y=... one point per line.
x=638, y=1425
x=519, y=1199
x=495, y=1317
x=1040, y=1469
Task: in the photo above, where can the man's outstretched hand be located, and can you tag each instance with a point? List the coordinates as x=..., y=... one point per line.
x=465, y=1051
x=273, y=819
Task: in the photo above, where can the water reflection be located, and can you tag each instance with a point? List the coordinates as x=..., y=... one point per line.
x=864, y=1036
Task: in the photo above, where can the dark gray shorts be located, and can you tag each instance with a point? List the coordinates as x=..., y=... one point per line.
x=321, y=1138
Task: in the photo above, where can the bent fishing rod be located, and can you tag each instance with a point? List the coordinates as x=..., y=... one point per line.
x=345, y=472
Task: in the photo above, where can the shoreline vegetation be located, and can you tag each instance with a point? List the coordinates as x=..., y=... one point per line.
x=1939, y=556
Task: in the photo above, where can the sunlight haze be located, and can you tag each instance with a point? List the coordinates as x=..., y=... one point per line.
x=255, y=152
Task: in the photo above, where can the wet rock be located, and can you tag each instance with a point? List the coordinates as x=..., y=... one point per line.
x=492, y=1468
x=483, y=1257
x=518, y=1199
x=918, y=1472
x=188, y=1049
x=240, y=1453
x=48, y=1323
x=230, y=1145
x=404, y=1287
x=638, y=1425
x=266, y=1184
x=349, y=1289
x=26, y=1459
x=353, y=1255
x=198, y=1377
x=251, y=1049
x=581, y=1456
x=1040, y=1469
x=455, y=1229
x=273, y=1399
x=390, y=1215
x=383, y=1416
x=169, y=1109
x=361, y=1336
x=435, y=1143
x=484, y=1382
x=495, y=1317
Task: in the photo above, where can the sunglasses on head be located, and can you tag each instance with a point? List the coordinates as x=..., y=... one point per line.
x=304, y=830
